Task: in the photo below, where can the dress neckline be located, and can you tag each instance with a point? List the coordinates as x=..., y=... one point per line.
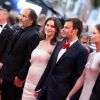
x=43, y=51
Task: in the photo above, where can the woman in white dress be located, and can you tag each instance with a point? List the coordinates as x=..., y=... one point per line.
x=40, y=57
x=91, y=71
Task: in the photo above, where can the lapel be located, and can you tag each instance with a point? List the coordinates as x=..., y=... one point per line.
x=26, y=32
x=71, y=49
x=4, y=30
x=15, y=38
x=56, y=51
x=19, y=34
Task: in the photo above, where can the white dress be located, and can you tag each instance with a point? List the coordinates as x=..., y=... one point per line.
x=39, y=60
x=92, y=70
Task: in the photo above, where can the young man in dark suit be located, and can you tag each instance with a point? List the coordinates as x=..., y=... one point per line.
x=16, y=59
x=65, y=66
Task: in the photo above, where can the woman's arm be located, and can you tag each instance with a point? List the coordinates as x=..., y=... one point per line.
x=77, y=85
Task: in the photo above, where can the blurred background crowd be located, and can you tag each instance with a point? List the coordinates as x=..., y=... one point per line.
x=87, y=10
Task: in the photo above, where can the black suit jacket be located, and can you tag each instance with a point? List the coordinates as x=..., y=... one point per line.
x=59, y=77
x=16, y=60
x=5, y=37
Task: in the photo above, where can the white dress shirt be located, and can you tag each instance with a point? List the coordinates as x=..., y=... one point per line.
x=1, y=28
x=62, y=51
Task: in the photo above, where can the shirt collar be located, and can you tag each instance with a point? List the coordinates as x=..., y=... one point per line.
x=73, y=42
x=4, y=25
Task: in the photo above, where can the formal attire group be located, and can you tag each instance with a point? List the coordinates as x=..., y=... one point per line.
x=60, y=76
x=52, y=75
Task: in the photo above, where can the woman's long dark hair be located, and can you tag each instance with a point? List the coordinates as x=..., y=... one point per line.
x=98, y=27
x=57, y=25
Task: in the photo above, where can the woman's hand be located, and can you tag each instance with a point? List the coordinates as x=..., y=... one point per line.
x=36, y=93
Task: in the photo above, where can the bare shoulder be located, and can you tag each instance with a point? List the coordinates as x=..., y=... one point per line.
x=45, y=45
x=51, y=49
x=42, y=41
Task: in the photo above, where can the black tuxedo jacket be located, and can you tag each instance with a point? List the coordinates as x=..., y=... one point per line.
x=16, y=59
x=59, y=77
x=5, y=37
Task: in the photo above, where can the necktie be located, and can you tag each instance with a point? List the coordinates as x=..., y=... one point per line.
x=65, y=45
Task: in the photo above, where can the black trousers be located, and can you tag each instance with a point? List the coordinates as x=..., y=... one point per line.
x=10, y=91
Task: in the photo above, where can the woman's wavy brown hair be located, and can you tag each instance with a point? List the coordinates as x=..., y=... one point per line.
x=57, y=25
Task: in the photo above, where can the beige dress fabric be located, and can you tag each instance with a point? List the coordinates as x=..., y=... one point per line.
x=39, y=60
x=92, y=70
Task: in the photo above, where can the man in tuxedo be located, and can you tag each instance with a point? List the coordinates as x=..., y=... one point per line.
x=16, y=59
x=5, y=31
x=65, y=65
x=5, y=34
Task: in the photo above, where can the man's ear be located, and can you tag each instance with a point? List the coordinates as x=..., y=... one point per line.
x=75, y=31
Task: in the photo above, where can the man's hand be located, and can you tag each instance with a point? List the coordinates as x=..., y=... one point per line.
x=18, y=82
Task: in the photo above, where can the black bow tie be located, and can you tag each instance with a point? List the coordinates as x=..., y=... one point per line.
x=1, y=25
